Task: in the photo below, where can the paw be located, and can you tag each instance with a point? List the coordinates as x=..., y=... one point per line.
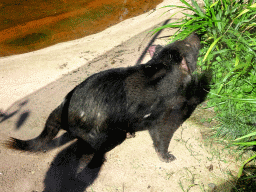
x=130, y=135
x=167, y=157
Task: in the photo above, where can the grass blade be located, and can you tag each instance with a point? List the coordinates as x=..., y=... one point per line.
x=200, y=13
x=246, y=143
x=189, y=7
x=211, y=47
x=246, y=136
x=242, y=167
x=246, y=10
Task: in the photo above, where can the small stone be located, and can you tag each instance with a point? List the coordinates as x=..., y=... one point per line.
x=210, y=167
x=212, y=186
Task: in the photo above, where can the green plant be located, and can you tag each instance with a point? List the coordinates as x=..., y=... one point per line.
x=246, y=144
x=225, y=25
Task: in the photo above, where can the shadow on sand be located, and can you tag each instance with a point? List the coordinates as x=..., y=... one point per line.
x=74, y=168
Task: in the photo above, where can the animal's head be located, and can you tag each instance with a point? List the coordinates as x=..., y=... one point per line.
x=183, y=53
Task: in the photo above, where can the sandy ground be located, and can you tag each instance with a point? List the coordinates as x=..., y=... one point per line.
x=33, y=84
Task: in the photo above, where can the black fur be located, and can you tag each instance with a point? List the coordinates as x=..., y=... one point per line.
x=158, y=96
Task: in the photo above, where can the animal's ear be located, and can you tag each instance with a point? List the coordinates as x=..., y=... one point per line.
x=166, y=59
x=154, y=50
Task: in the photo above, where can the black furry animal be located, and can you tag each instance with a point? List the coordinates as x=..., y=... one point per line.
x=158, y=96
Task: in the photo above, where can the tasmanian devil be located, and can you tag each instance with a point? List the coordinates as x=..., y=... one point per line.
x=158, y=96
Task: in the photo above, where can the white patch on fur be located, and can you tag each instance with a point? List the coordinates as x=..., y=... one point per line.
x=147, y=115
x=82, y=114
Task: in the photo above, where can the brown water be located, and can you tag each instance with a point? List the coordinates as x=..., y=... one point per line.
x=28, y=25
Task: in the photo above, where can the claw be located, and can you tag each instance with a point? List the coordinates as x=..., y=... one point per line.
x=168, y=157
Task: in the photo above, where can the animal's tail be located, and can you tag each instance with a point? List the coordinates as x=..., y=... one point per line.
x=51, y=129
x=52, y=126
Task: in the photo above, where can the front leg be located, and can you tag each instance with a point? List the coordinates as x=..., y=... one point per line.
x=161, y=136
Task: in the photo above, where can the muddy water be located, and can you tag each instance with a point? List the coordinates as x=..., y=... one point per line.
x=28, y=25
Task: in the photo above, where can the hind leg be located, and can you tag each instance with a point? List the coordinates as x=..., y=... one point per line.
x=101, y=143
x=107, y=141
